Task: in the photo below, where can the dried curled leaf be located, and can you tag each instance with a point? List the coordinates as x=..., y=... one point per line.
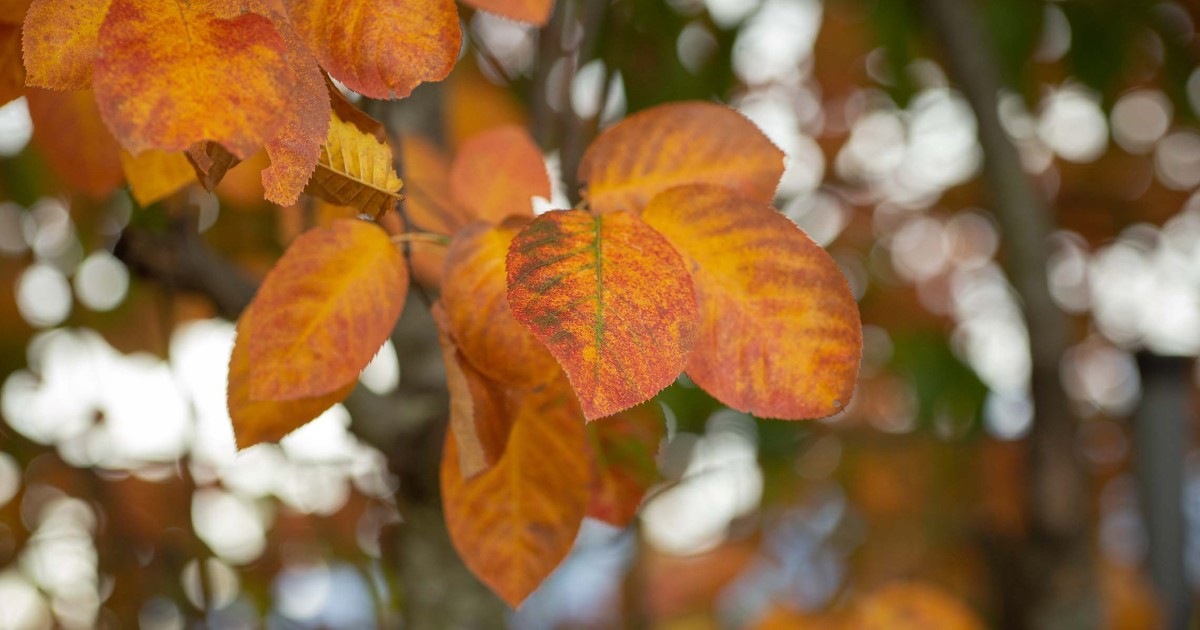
x=475, y=295
x=323, y=311
x=355, y=169
x=256, y=421
x=675, y=144
x=515, y=522
x=210, y=161
x=380, y=49
x=779, y=333
x=497, y=173
x=536, y=12
x=609, y=298
x=60, y=42
x=164, y=71
x=67, y=130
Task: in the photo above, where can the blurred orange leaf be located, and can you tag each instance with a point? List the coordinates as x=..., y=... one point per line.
x=323, y=311
x=154, y=175
x=60, y=42
x=12, y=70
x=479, y=416
x=913, y=606
x=475, y=295
x=256, y=421
x=780, y=335
x=67, y=129
x=674, y=144
x=610, y=298
x=625, y=447
x=13, y=11
x=380, y=49
x=355, y=169
x=164, y=72
x=497, y=173
x=515, y=522
x=473, y=104
x=536, y=12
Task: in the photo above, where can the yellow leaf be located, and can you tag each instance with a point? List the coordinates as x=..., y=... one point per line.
x=355, y=169
x=60, y=42
x=154, y=175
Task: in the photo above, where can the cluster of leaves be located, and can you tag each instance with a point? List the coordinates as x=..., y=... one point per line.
x=674, y=262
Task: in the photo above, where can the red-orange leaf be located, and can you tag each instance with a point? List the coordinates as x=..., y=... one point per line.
x=479, y=415
x=324, y=310
x=60, y=42
x=380, y=49
x=515, y=522
x=497, y=173
x=67, y=129
x=780, y=335
x=256, y=421
x=12, y=71
x=475, y=294
x=610, y=298
x=679, y=143
x=170, y=74
x=536, y=12
x=625, y=446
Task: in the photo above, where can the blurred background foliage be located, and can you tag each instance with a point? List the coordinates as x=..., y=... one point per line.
x=123, y=503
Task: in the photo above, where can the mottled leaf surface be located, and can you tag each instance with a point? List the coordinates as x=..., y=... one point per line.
x=497, y=173
x=256, y=421
x=60, y=42
x=324, y=310
x=355, y=169
x=475, y=294
x=780, y=335
x=380, y=49
x=674, y=144
x=515, y=522
x=167, y=75
x=610, y=298
x=68, y=131
x=625, y=447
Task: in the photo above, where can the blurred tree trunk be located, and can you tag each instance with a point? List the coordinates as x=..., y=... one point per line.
x=1161, y=438
x=1055, y=584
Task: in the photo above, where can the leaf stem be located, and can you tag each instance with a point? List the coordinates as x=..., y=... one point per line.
x=428, y=237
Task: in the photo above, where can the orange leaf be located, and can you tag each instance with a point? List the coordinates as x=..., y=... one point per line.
x=324, y=310
x=536, y=12
x=13, y=11
x=475, y=294
x=610, y=298
x=679, y=143
x=12, y=71
x=625, y=446
x=380, y=49
x=355, y=169
x=256, y=421
x=479, y=417
x=60, y=42
x=779, y=334
x=473, y=104
x=171, y=74
x=428, y=204
x=67, y=129
x=154, y=175
x=913, y=606
x=211, y=161
x=514, y=523
x=497, y=173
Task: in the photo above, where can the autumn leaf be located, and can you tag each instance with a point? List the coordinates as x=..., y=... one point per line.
x=480, y=418
x=610, y=298
x=779, y=332
x=497, y=173
x=166, y=72
x=355, y=169
x=913, y=606
x=380, y=49
x=13, y=11
x=154, y=175
x=68, y=131
x=674, y=144
x=625, y=447
x=428, y=205
x=12, y=71
x=256, y=421
x=475, y=294
x=536, y=12
x=514, y=523
x=60, y=42
x=323, y=311
x=210, y=161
